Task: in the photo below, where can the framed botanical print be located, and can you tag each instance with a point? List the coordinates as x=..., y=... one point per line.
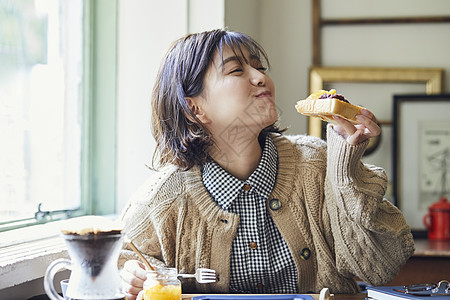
x=421, y=154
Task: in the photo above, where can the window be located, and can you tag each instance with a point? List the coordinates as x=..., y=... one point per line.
x=41, y=107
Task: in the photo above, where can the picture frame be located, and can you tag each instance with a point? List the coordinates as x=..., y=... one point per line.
x=319, y=22
x=433, y=79
x=421, y=148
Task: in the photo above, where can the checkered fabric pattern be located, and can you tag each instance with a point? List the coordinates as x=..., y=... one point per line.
x=260, y=260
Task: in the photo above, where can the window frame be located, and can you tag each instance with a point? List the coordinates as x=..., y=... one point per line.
x=98, y=162
x=99, y=116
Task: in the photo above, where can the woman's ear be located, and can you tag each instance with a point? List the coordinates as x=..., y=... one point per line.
x=195, y=106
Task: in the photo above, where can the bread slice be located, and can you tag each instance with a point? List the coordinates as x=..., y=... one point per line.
x=328, y=107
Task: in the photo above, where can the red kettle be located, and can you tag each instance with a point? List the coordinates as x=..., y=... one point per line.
x=437, y=220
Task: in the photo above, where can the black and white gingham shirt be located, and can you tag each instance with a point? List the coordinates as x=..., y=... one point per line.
x=260, y=259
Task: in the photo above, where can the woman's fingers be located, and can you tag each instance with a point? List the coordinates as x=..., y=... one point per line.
x=356, y=137
x=133, y=276
x=130, y=291
x=367, y=113
x=136, y=268
x=345, y=128
x=131, y=279
x=370, y=122
x=355, y=134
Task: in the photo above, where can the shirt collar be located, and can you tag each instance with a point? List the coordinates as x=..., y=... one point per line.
x=225, y=188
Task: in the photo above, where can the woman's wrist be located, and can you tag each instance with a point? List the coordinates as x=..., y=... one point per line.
x=343, y=159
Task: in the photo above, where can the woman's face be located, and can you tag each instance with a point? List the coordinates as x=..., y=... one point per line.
x=238, y=99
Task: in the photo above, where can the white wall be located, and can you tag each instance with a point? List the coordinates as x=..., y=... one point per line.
x=284, y=30
x=286, y=33
x=146, y=28
x=205, y=15
x=244, y=16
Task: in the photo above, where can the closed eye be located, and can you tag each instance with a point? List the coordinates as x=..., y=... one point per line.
x=236, y=70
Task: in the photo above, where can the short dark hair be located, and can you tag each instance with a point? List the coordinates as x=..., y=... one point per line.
x=179, y=140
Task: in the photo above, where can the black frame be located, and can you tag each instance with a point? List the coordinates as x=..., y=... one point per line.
x=396, y=119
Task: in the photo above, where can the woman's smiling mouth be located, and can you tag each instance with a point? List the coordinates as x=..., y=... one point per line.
x=264, y=94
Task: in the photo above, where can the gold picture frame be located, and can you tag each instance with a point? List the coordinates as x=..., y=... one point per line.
x=433, y=78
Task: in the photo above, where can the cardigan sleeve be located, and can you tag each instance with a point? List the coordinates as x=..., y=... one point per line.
x=137, y=217
x=371, y=237
x=141, y=233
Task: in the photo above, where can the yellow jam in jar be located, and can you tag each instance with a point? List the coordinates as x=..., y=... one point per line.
x=159, y=292
x=162, y=284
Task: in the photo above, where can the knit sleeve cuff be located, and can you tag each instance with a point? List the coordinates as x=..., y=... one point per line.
x=344, y=160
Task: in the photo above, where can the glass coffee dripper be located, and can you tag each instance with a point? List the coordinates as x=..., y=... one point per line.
x=93, y=265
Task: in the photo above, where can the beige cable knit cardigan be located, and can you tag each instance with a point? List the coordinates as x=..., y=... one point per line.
x=331, y=204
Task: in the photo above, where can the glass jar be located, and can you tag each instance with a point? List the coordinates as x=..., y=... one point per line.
x=161, y=284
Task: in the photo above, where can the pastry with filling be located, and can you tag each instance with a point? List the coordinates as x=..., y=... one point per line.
x=326, y=104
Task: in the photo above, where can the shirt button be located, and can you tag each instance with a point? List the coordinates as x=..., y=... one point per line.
x=274, y=204
x=305, y=254
x=246, y=187
x=260, y=286
x=253, y=245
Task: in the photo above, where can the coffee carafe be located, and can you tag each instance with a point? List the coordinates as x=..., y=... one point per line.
x=94, y=251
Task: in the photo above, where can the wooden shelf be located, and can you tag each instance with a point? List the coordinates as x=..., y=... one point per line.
x=429, y=264
x=429, y=248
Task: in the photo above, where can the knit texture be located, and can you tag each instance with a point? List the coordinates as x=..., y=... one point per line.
x=331, y=204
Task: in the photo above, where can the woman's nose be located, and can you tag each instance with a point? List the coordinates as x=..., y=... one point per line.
x=258, y=78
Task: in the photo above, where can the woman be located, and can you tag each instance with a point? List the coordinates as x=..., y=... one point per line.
x=269, y=213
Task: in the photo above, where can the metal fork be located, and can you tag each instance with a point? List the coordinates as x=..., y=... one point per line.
x=202, y=275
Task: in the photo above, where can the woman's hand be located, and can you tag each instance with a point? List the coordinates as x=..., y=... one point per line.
x=355, y=134
x=133, y=276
